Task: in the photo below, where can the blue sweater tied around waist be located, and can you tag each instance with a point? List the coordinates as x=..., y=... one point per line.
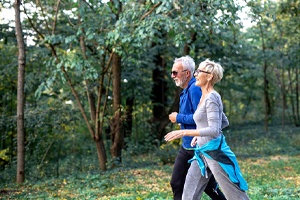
x=218, y=150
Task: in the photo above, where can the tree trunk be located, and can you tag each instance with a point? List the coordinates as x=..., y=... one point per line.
x=20, y=96
x=266, y=82
x=281, y=85
x=290, y=87
x=117, y=134
x=294, y=100
x=101, y=153
x=128, y=116
x=174, y=108
x=164, y=119
x=159, y=95
x=297, y=97
x=284, y=104
x=97, y=133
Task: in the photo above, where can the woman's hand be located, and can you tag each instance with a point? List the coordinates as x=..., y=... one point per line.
x=194, y=141
x=174, y=135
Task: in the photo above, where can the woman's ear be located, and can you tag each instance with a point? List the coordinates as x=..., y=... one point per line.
x=210, y=77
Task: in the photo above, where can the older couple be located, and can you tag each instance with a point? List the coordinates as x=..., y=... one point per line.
x=204, y=158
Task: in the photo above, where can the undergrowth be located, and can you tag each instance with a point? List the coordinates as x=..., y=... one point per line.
x=269, y=162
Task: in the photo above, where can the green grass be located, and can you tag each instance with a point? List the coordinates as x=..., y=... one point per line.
x=269, y=163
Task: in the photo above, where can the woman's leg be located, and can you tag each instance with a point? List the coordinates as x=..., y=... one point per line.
x=195, y=183
x=230, y=190
x=213, y=190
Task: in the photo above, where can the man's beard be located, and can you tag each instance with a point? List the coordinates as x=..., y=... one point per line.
x=181, y=82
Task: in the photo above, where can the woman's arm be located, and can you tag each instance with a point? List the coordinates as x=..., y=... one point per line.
x=180, y=133
x=213, y=121
x=225, y=121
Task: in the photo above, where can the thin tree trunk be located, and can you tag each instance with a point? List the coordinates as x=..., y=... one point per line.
x=281, y=85
x=297, y=97
x=128, y=116
x=164, y=120
x=101, y=153
x=266, y=83
x=20, y=96
x=159, y=95
x=290, y=87
x=283, y=98
x=174, y=108
x=117, y=133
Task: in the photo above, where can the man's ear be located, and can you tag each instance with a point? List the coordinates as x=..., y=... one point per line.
x=188, y=73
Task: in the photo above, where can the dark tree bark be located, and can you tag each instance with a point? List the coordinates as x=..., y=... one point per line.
x=20, y=96
x=160, y=115
x=294, y=99
x=159, y=95
x=116, y=131
x=128, y=116
x=95, y=110
x=117, y=135
x=266, y=82
x=297, y=98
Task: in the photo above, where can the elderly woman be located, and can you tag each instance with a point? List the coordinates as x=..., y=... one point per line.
x=212, y=154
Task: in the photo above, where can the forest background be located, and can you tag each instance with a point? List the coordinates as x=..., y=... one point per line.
x=98, y=91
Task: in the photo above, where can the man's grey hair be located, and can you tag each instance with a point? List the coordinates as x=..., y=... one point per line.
x=188, y=63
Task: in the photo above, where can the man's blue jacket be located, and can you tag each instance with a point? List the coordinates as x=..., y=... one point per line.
x=189, y=100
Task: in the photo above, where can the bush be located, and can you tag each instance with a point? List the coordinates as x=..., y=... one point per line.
x=167, y=152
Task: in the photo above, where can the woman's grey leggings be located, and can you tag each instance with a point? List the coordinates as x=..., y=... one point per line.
x=195, y=183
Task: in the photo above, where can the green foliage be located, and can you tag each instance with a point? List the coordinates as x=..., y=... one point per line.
x=4, y=158
x=253, y=141
x=8, y=76
x=50, y=143
x=274, y=38
x=167, y=152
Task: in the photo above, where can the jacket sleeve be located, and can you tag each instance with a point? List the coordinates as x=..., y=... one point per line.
x=216, y=118
x=194, y=95
x=211, y=128
x=225, y=121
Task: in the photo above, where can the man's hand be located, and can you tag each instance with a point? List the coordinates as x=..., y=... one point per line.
x=172, y=117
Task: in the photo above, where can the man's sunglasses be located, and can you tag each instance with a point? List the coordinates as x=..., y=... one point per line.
x=175, y=73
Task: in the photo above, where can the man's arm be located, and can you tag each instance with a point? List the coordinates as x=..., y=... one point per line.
x=193, y=98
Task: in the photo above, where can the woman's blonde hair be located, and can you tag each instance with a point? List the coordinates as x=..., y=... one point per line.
x=215, y=69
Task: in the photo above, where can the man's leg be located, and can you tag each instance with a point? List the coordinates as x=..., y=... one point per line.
x=180, y=169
